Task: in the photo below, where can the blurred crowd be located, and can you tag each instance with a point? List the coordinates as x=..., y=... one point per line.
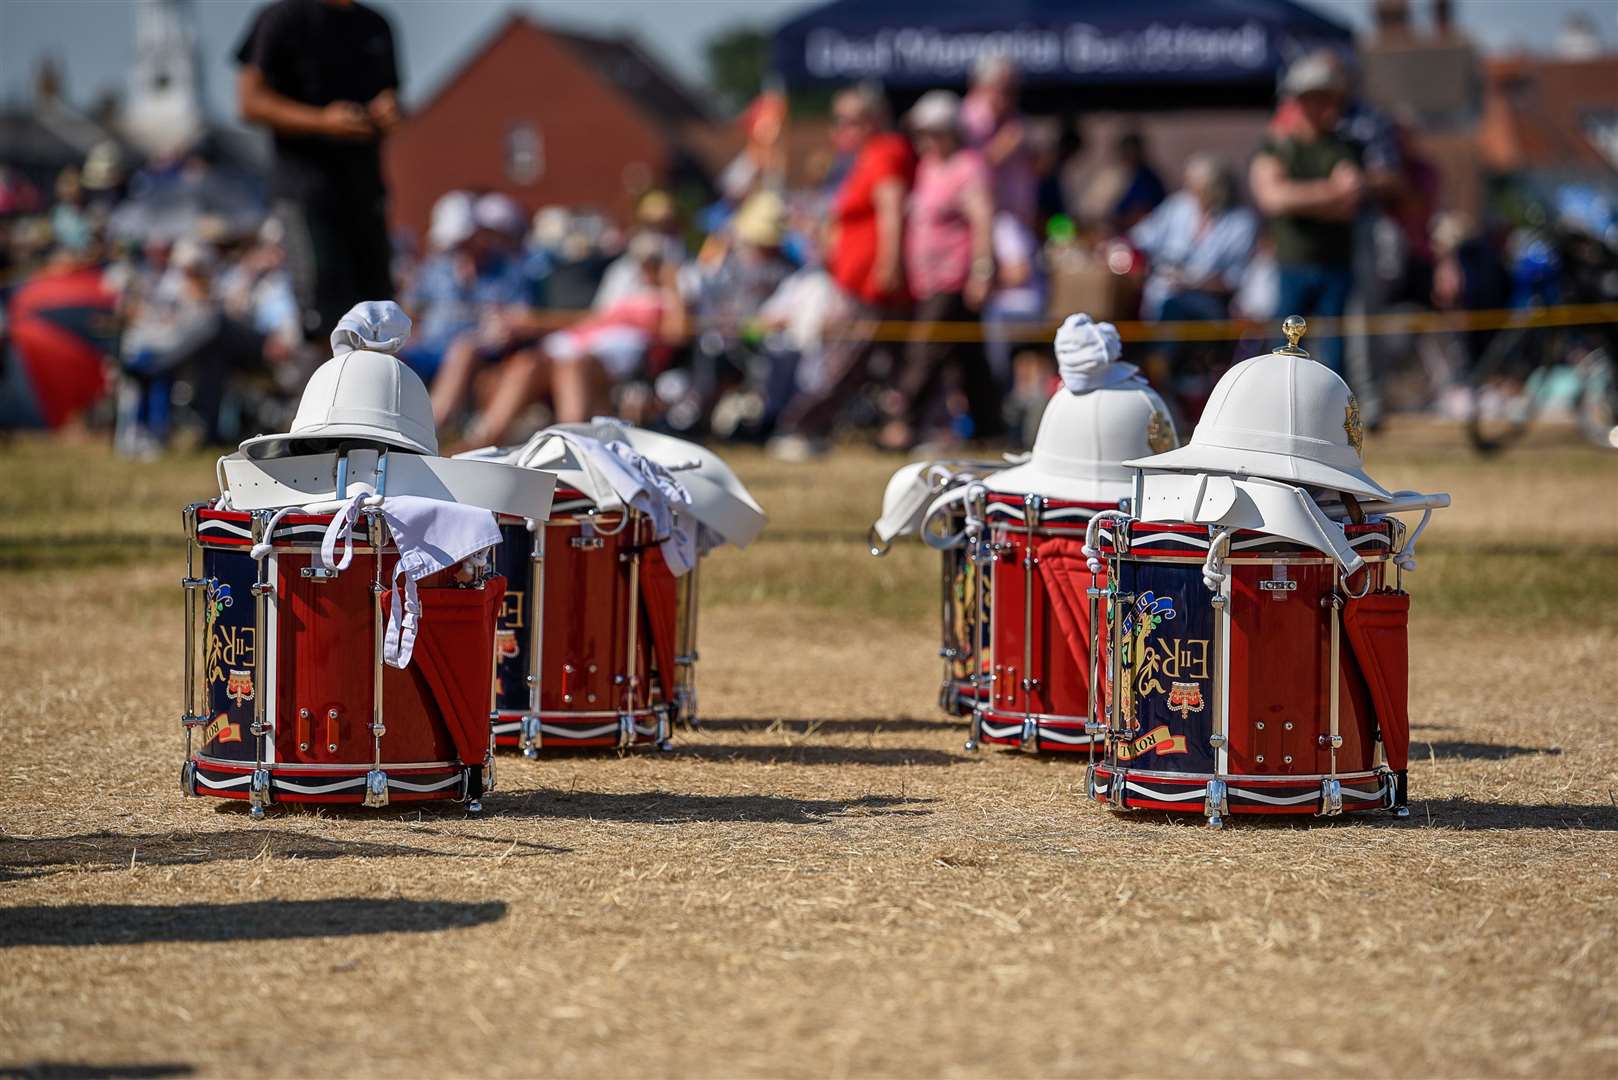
x=903, y=293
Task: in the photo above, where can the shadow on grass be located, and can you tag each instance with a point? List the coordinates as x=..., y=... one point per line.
x=863, y=725
x=74, y=1070
x=1477, y=814
x=259, y=920
x=25, y=858
x=1456, y=814
x=676, y=808
x=822, y=754
x=1476, y=751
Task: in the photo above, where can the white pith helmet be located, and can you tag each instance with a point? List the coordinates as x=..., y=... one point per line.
x=1280, y=416
x=362, y=392
x=1104, y=413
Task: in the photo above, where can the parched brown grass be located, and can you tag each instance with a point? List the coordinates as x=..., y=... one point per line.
x=820, y=882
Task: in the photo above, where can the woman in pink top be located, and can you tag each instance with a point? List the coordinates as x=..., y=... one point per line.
x=949, y=266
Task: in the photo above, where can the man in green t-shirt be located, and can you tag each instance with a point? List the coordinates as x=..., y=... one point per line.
x=1308, y=182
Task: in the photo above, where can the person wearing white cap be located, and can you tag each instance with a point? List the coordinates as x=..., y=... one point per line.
x=949, y=264
x=474, y=296
x=1103, y=413
x=1308, y=181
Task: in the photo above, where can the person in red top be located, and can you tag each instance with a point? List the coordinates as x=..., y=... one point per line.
x=864, y=255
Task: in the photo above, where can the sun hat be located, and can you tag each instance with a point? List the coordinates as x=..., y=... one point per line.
x=363, y=392
x=936, y=110
x=451, y=223
x=1280, y=416
x=762, y=220
x=1104, y=412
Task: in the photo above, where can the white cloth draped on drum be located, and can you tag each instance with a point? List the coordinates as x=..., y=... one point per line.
x=431, y=535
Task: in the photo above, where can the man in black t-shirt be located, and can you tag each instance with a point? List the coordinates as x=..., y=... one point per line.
x=1308, y=181
x=321, y=75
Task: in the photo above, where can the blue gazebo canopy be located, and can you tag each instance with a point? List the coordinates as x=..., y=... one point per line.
x=909, y=45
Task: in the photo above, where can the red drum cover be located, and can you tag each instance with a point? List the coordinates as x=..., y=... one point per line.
x=1378, y=629
x=455, y=654
x=657, y=590
x=1066, y=573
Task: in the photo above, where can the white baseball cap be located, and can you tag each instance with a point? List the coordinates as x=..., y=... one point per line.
x=1282, y=417
x=361, y=392
x=936, y=110
x=452, y=222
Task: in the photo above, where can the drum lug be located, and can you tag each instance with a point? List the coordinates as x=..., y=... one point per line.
x=1091, y=783
x=258, y=792
x=1028, y=739
x=1397, y=794
x=376, y=788
x=1115, y=792
x=317, y=573
x=626, y=730
x=1335, y=742
x=188, y=779
x=1331, y=798
x=531, y=738
x=685, y=700
x=975, y=730
x=1214, y=804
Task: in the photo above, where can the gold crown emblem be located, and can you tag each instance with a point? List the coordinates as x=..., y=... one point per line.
x=1352, y=425
x=1159, y=433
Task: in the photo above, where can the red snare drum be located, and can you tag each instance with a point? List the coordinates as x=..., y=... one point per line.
x=1282, y=693
x=588, y=637
x=1038, y=688
x=287, y=695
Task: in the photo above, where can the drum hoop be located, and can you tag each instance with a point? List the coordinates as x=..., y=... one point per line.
x=1242, y=560
x=1044, y=718
x=284, y=766
x=1194, y=779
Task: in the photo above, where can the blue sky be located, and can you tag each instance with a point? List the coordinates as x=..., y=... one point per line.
x=92, y=37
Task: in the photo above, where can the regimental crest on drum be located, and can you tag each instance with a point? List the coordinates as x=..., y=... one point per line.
x=218, y=599
x=1159, y=432
x=505, y=643
x=239, y=686
x=1352, y=425
x=1185, y=698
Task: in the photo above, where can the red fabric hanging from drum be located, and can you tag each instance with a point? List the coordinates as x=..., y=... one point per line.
x=1378, y=629
x=455, y=655
x=1066, y=574
x=657, y=590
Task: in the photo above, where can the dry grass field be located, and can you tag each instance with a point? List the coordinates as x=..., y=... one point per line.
x=821, y=882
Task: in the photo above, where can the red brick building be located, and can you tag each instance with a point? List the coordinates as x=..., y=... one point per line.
x=548, y=117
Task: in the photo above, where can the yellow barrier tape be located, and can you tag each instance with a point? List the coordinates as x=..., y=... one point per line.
x=1378, y=325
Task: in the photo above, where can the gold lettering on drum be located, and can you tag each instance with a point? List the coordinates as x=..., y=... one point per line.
x=231, y=650
x=512, y=610
x=1158, y=740
x=1185, y=658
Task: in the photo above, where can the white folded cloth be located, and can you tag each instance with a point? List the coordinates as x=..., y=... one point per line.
x=1087, y=355
x=374, y=325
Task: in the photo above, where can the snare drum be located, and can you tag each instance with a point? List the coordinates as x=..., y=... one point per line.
x=929, y=498
x=1281, y=692
x=287, y=697
x=588, y=637
x=1039, y=666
